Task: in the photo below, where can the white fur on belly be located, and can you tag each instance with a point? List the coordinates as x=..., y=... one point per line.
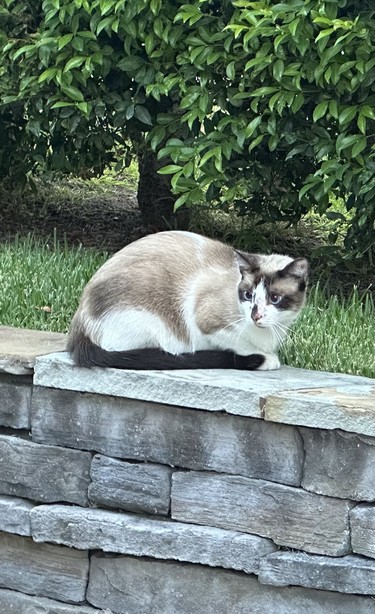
x=132, y=329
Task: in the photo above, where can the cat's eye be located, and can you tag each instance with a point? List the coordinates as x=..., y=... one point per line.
x=248, y=295
x=275, y=299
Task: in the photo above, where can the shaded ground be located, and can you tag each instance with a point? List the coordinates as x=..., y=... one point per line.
x=108, y=221
x=105, y=215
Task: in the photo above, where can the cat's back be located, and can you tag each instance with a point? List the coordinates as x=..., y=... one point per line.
x=175, y=254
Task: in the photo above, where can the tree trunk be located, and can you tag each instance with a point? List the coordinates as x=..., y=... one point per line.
x=155, y=198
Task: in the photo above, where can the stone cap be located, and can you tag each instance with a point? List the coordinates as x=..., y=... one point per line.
x=290, y=396
x=19, y=348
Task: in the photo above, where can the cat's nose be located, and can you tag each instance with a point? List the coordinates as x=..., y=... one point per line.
x=255, y=313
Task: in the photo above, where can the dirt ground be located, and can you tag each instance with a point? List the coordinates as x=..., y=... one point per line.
x=109, y=218
x=107, y=221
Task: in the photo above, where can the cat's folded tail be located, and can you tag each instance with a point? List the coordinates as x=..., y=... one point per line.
x=85, y=353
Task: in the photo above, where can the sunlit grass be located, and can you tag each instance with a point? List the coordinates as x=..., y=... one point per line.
x=334, y=334
x=41, y=284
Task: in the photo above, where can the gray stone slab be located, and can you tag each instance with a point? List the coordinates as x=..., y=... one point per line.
x=289, y=516
x=12, y=602
x=15, y=401
x=43, y=569
x=175, y=436
x=43, y=473
x=339, y=464
x=15, y=515
x=94, y=529
x=347, y=406
x=138, y=586
x=362, y=526
x=136, y=487
x=236, y=392
x=19, y=348
x=348, y=574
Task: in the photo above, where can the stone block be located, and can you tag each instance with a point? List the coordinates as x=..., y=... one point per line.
x=339, y=464
x=136, y=487
x=138, y=586
x=43, y=569
x=94, y=529
x=348, y=574
x=236, y=392
x=349, y=406
x=15, y=515
x=169, y=435
x=43, y=473
x=362, y=525
x=15, y=401
x=12, y=602
x=289, y=516
x=19, y=348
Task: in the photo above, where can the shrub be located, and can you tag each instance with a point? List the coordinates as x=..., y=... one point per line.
x=265, y=106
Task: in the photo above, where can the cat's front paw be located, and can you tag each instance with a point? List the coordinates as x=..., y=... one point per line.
x=270, y=363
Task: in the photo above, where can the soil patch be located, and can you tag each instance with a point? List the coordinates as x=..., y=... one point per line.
x=107, y=221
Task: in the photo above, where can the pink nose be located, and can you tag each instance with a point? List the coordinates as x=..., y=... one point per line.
x=255, y=314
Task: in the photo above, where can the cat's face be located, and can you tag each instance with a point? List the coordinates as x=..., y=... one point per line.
x=273, y=297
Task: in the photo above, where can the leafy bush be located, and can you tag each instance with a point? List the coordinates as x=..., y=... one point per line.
x=266, y=106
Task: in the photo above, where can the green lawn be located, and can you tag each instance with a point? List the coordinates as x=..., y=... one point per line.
x=41, y=284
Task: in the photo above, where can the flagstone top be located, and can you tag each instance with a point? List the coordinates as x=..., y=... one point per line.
x=19, y=348
x=292, y=396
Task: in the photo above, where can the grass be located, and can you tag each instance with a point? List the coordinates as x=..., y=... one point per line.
x=334, y=334
x=41, y=284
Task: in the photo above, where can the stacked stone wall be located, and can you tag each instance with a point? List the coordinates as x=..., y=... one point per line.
x=183, y=505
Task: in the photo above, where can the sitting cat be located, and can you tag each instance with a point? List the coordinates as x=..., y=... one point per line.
x=177, y=300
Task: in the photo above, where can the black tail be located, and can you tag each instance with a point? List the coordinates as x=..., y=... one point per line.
x=85, y=353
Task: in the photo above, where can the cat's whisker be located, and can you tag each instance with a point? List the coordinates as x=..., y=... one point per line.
x=283, y=327
x=276, y=333
x=241, y=319
x=288, y=330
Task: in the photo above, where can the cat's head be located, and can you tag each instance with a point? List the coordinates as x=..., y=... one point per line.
x=272, y=290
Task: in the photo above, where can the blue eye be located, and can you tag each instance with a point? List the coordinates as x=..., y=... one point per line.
x=248, y=295
x=275, y=298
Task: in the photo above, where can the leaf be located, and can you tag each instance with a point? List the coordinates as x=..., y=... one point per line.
x=367, y=111
x=359, y=146
x=320, y=110
x=305, y=189
x=230, y=70
x=64, y=40
x=252, y=126
x=323, y=34
x=142, y=114
x=361, y=123
x=72, y=92
x=278, y=69
x=347, y=115
x=78, y=60
x=47, y=75
x=264, y=91
x=131, y=63
x=170, y=169
x=344, y=140
x=333, y=108
x=59, y=105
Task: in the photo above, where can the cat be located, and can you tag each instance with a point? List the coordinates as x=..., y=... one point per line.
x=178, y=300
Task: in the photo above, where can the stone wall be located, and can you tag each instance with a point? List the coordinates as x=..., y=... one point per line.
x=185, y=493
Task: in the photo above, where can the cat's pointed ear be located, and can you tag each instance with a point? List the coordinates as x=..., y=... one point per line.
x=247, y=262
x=297, y=268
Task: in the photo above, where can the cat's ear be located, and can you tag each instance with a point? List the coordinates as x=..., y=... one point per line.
x=247, y=262
x=297, y=268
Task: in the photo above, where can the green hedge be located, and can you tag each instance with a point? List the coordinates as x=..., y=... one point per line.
x=265, y=106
